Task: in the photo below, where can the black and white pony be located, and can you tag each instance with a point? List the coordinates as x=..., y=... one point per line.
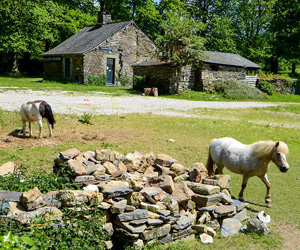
x=36, y=111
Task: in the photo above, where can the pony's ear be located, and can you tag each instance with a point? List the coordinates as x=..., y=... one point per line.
x=277, y=144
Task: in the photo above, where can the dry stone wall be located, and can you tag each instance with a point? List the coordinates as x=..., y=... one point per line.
x=145, y=198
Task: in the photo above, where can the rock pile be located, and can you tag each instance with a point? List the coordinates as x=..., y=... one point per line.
x=144, y=198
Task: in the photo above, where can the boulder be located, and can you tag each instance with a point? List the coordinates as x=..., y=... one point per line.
x=230, y=227
x=105, y=155
x=91, y=169
x=157, y=232
x=118, y=207
x=110, y=167
x=181, y=192
x=71, y=198
x=76, y=167
x=165, y=182
x=198, y=172
x=178, y=169
x=164, y=160
x=32, y=199
x=207, y=200
x=257, y=226
x=8, y=168
x=224, y=210
x=152, y=194
x=220, y=180
x=69, y=154
x=202, y=188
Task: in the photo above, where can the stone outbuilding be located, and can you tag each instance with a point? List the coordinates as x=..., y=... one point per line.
x=106, y=48
x=216, y=66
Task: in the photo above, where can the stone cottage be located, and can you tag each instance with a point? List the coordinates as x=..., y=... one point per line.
x=106, y=48
x=215, y=66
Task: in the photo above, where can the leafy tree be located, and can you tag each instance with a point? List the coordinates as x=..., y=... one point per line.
x=180, y=44
x=286, y=27
x=221, y=36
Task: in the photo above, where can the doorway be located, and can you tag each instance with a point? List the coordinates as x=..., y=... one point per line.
x=67, y=67
x=110, y=71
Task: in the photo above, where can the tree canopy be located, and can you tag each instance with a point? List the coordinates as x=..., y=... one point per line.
x=264, y=31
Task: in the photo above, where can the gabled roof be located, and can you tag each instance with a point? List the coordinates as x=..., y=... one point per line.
x=229, y=59
x=87, y=39
x=212, y=57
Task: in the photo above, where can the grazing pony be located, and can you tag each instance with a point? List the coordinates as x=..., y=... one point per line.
x=247, y=160
x=36, y=111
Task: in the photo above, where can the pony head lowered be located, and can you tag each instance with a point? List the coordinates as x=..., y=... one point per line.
x=275, y=151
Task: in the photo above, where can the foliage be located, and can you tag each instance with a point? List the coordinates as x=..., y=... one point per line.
x=25, y=180
x=10, y=241
x=123, y=79
x=140, y=82
x=181, y=43
x=86, y=118
x=266, y=87
x=81, y=230
x=236, y=90
x=95, y=80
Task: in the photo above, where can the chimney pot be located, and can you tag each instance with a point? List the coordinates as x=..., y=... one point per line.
x=104, y=18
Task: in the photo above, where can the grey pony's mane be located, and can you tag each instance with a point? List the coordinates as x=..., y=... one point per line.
x=266, y=148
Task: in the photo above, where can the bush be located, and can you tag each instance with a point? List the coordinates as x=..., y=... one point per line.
x=86, y=118
x=95, y=80
x=123, y=79
x=140, y=82
x=236, y=90
x=266, y=87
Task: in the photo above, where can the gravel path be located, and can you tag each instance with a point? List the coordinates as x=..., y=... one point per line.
x=100, y=104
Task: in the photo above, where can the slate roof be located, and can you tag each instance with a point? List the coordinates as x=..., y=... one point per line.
x=213, y=57
x=229, y=59
x=87, y=39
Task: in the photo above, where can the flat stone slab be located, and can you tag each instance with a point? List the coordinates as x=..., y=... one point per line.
x=84, y=178
x=241, y=216
x=130, y=228
x=135, y=215
x=206, y=201
x=182, y=223
x=116, y=192
x=230, y=227
x=224, y=210
x=203, y=188
x=239, y=204
x=138, y=222
x=9, y=195
x=156, y=232
x=69, y=154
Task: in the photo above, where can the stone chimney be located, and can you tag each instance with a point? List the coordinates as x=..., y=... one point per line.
x=104, y=18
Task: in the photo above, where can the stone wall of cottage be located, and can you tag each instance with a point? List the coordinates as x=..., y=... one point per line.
x=129, y=46
x=213, y=73
x=164, y=77
x=283, y=86
x=56, y=69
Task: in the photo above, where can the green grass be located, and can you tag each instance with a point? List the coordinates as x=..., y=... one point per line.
x=38, y=84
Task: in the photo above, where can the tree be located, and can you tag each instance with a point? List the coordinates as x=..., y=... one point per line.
x=180, y=44
x=286, y=28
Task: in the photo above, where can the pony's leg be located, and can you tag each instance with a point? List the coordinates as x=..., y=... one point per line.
x=219, y=169
x=30, y=129
x=244, y=184
x=268, y=186
x=24, y=128
x=40, y=126
x=49, y=128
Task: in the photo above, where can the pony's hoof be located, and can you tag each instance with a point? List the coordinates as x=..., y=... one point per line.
x=242, y=199
x=269, y=204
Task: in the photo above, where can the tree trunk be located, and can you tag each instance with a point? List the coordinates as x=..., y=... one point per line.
x=293, y=68
x=15, y=67
x=274, y=65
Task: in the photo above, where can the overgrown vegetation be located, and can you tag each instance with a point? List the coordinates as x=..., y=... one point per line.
x=123, y=79
x=236, y=90
x=95, y=80
x=266, y=87
x=86, y=118
x=26, y=179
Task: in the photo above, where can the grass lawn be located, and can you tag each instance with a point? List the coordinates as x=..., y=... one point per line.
x=38, y=84
x=148, y=132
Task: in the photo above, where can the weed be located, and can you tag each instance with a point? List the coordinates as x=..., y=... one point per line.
x=123, y=79
x=94, y=80
x=86, y=118
x=266, y=87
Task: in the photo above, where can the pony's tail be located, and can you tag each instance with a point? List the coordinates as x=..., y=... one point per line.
x=49, y=115
x=210, y=164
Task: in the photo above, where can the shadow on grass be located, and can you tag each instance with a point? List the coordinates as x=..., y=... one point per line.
x=17, y=133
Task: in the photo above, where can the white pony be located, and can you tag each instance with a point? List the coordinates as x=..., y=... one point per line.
x=36, y=111
x=247, y=160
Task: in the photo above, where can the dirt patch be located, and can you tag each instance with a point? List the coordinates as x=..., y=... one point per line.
x=290, y=234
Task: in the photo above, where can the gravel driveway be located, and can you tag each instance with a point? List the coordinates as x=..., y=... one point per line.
x=101, y=104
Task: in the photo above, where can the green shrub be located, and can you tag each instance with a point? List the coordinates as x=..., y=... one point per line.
x=95, y=80
x=236, y=90
x=266, y=87
x=123, y=79
x=140, y=82
x=86, y=118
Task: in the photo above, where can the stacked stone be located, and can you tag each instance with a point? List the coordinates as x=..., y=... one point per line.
x=144, y=198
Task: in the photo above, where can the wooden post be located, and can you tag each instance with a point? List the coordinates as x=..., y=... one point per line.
x=154, y=92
